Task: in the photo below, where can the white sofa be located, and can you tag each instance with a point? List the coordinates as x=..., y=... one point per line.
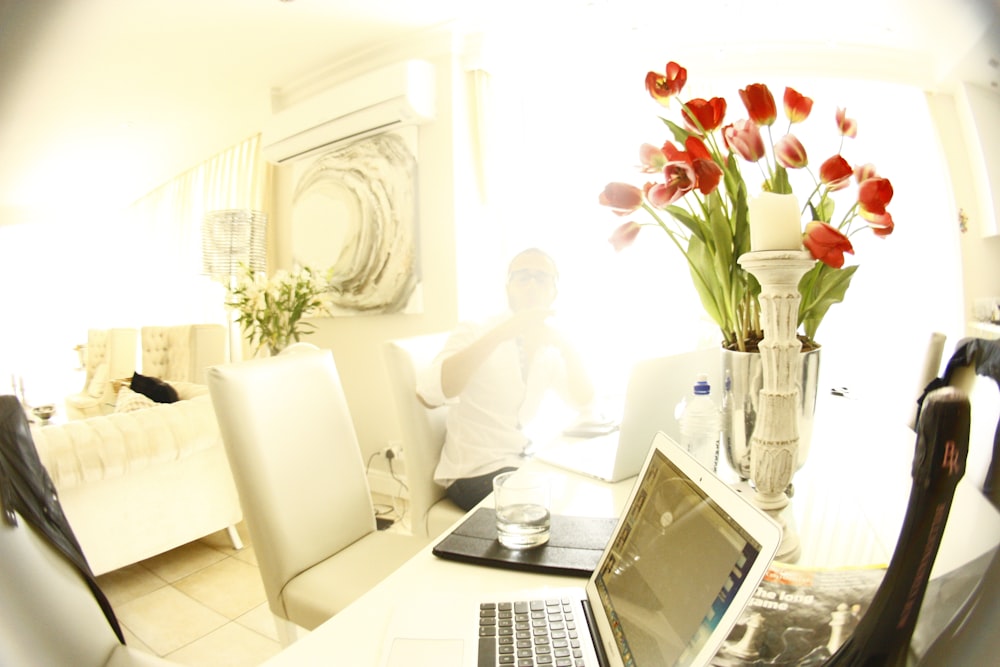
x=136, y=484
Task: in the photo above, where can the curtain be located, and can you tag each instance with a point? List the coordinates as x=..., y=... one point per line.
x=164, y=227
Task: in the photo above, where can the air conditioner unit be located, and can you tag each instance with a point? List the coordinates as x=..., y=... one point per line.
x=389, y=97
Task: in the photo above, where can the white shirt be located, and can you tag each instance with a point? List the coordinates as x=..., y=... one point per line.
x=484, y=421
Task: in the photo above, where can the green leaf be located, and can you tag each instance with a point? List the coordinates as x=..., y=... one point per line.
x=825, y=211
x=680, y=134
x=695, y=225
x=701, y=263
x=821, y=287
x=780, y=184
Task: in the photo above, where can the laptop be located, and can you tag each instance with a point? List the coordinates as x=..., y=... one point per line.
x=681, y=565
x=655, y=388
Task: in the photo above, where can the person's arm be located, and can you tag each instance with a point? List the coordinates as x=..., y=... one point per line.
x=460, y=366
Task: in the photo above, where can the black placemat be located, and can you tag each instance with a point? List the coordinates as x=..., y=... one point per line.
x=574, y=548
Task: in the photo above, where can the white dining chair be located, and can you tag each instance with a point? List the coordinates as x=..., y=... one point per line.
x=422, y=429
x=301, y=479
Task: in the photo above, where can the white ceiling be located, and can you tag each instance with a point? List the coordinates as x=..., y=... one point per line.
x=103, y=100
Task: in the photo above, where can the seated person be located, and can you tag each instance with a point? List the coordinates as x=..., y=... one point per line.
x=494, y=374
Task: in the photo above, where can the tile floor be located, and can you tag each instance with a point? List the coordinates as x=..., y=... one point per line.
x=201, y=604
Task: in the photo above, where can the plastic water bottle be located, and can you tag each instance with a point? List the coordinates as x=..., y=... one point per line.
x=701, y=424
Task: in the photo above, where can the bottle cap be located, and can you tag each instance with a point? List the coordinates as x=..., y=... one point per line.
x=701, y=386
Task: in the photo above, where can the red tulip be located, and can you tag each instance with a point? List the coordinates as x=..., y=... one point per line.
x=882, y=225
x=790, y=152
x=652, y=159
x=662, y=87
x=836, y=173
x=704, y=115
x=826, y=243
x=743, y=136
x=759, y=103
x=874, y=194
x=622, y=198
x=687, y=170
x=797, y=106
x=848, y=126
x=624, y=235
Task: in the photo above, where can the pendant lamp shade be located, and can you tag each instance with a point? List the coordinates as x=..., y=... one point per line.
x=231, y=237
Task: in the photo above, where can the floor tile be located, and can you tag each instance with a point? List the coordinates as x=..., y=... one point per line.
x=166, y=619
x=230, y=646
x=128, y=583
x=247, y=555
x=230, y=587
x=260, y=620
x=182, y=561
x=134, y=642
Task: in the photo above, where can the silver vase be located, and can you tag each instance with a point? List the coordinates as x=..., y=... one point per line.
x=742, y=380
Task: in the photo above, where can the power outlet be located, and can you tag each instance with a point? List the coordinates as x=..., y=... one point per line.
x=393, y=452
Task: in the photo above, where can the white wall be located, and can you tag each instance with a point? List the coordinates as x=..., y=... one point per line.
x=356, y=340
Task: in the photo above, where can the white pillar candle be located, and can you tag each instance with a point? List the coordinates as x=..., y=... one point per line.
x=774, y=222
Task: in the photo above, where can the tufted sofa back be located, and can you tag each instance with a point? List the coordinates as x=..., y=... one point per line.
x=182, y=352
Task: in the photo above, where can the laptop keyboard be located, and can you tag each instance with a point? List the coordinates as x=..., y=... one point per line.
x=529, y=633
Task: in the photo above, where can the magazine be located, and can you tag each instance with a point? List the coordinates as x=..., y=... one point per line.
x=799, y=616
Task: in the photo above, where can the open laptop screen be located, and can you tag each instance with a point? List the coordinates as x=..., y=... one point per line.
x=674, y=568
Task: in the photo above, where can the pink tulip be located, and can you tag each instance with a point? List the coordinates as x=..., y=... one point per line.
x=652, y=159
x=622, y=198
x=744, y=137
x=790, y=152
x=624, y=235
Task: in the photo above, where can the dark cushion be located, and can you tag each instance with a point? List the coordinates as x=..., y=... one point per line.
x=153, y=388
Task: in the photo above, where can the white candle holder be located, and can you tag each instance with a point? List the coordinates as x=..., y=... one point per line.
x=775, y=441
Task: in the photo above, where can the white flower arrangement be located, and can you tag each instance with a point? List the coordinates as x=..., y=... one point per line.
x=271, y=311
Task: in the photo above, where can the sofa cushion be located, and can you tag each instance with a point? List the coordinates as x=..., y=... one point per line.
x=99, y=382
x=129, y=401
x=154, y=388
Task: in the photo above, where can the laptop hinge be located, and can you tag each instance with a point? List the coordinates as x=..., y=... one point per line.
x=588, y=613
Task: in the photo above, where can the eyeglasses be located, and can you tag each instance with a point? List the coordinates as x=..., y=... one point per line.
x=525, y=276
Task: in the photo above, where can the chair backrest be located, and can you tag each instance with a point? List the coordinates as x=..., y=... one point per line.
x=295, y=459
x=48, y=615
x=114, y=348
x=182, y=352
x=422, y=428
x=52, y=610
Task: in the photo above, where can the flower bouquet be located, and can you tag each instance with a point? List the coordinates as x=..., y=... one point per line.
x=698, y=195
x=271, y=311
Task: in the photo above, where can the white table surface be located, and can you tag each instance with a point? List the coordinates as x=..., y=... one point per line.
x=849, y=503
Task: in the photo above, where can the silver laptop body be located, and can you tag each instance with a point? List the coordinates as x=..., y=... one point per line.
x=655, y=388
x=682, y=564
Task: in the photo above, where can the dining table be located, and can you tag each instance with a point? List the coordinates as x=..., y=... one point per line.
x=848, y=502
